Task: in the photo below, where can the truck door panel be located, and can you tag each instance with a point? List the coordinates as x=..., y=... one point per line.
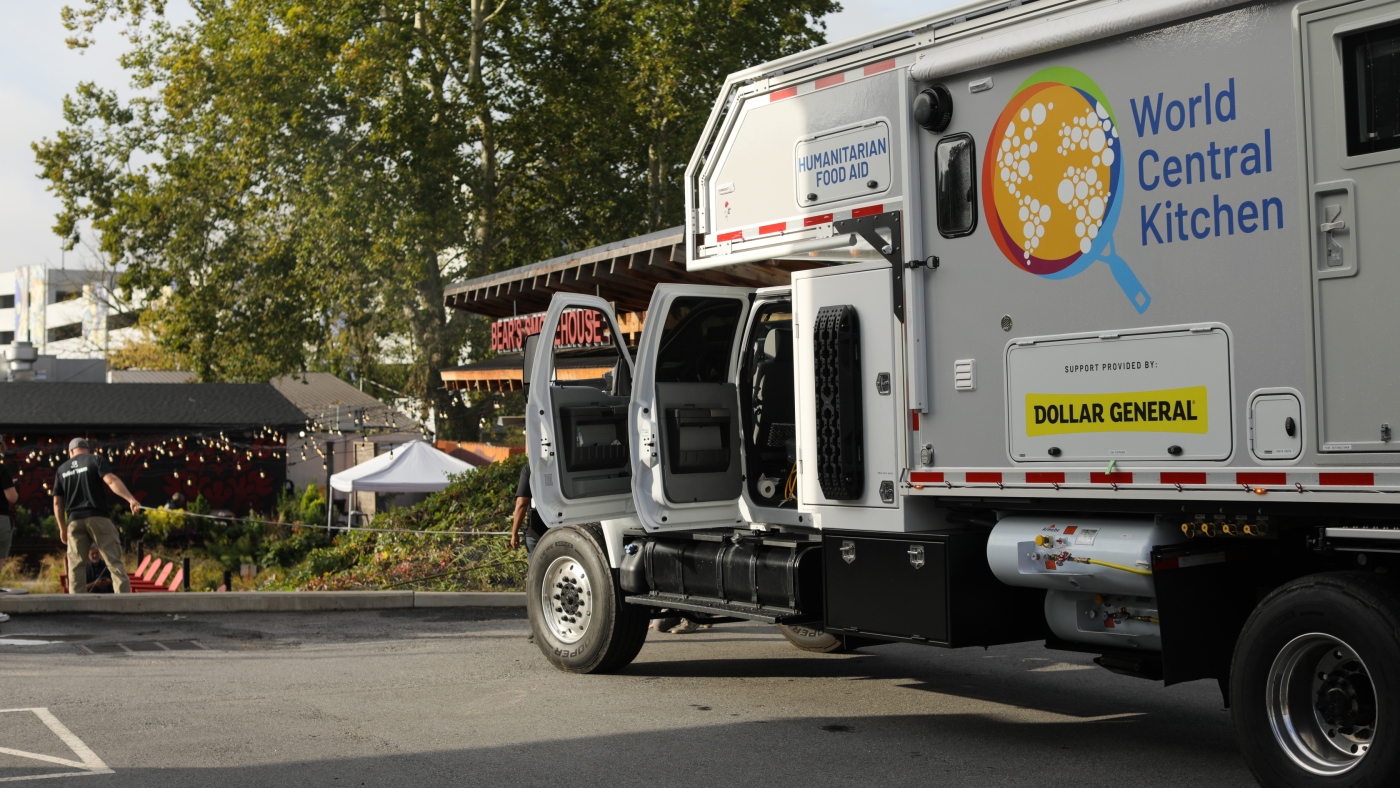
x=685, y=412
x=576, y=424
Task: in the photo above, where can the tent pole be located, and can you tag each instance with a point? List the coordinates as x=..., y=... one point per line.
x=330, y=491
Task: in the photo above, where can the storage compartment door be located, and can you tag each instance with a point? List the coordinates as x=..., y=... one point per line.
x=576, y=417
x=1351, y=61
x=685, y=412
x=848, y=415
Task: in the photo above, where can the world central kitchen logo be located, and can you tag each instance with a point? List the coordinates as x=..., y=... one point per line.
x=1052, y=180
x=1055, y=173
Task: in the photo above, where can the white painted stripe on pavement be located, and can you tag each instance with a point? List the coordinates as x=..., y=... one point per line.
x=89, y=763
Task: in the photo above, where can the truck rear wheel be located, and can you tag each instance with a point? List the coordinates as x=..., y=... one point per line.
x=812, y=639
x=576, y=610
x=1315, y=684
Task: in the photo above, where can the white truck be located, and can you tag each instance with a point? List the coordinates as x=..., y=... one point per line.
x=965, y=430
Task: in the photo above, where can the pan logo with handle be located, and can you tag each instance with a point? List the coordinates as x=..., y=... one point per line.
x=1052, y=180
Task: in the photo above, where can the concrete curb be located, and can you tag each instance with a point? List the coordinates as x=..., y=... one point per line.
x=253, y=601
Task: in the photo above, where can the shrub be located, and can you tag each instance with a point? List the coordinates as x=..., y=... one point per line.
x=162, y=523
x=313, y=506
x=200, y=505
x=25, y=524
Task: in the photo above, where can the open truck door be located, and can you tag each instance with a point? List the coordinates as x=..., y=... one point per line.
x=685, y=408
x=576, y=420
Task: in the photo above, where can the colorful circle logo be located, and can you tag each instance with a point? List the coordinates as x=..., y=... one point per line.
x=1052, y=180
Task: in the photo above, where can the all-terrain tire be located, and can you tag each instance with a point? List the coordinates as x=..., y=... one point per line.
x=1298, y=644
x=586, y=628
x=812, y=639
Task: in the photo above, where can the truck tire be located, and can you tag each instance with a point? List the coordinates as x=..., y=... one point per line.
x=1315, y=683
x=812, y=639
x=576, y=610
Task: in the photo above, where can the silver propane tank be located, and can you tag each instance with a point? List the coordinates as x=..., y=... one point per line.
x=1098, y=572
x=1103, y=556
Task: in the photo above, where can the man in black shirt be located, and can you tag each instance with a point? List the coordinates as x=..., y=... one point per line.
x=537, y=527
x=79, y=505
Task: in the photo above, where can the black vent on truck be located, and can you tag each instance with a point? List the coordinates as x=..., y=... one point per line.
x=840, y=437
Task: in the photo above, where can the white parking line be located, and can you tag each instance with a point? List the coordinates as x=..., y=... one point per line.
x=89, y=762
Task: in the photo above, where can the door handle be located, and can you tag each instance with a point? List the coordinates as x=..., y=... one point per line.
x=1333, y=222
x=1331, y=248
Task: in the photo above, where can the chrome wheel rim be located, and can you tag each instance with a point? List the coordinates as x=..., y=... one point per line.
x=1321, y=704
x=566, y=598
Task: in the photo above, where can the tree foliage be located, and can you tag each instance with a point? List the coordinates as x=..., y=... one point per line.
x=304, y=179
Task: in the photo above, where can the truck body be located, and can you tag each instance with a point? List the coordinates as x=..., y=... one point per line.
x=1101, y=347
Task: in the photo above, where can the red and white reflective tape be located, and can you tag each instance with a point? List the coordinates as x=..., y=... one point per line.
x=797, y=224
x=832, y=80
x=1254, y=481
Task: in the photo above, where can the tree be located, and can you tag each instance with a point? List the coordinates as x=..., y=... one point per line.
x=305, y=179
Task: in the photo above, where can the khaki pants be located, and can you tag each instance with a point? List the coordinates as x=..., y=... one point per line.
x=82, y=534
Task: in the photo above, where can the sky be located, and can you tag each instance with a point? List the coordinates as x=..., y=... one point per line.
x=37, y=70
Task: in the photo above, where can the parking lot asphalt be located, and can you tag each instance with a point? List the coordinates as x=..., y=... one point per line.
x=458, y=697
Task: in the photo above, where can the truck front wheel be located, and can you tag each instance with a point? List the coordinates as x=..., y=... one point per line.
x=575, y=605
x=1315, y=684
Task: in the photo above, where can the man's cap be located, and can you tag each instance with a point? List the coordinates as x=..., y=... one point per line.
x=77, y=443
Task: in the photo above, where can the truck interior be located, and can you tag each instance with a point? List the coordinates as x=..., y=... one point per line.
x=698, y=404
x=767, y=397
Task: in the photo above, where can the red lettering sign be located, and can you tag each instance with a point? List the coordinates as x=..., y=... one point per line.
x=577, y=328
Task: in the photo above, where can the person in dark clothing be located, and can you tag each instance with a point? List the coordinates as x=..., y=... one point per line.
x=535, y=530
x=523, y=509
x=80, y=506
x=8, y=497
x=98, y=577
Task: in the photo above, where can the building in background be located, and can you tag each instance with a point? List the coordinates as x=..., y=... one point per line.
x=225, y=441
x=65, y=313
x=342, y=420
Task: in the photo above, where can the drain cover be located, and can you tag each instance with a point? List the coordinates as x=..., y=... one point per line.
x=142, y=646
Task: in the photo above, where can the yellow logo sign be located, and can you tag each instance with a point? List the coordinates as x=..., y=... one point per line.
x=1169, y=410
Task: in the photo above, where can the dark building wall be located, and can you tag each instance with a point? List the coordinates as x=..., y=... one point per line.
x=156, y=465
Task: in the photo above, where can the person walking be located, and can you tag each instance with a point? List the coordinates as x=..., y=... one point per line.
x=79, y=507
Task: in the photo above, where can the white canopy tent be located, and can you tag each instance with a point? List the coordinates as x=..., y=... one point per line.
x=414, y=467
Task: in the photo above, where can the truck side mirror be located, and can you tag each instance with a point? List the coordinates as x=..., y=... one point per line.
x=532, y=343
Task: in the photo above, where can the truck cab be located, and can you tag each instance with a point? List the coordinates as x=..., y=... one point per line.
x=698, y=431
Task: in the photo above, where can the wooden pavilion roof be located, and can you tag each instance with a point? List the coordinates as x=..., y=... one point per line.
x=623, y=272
